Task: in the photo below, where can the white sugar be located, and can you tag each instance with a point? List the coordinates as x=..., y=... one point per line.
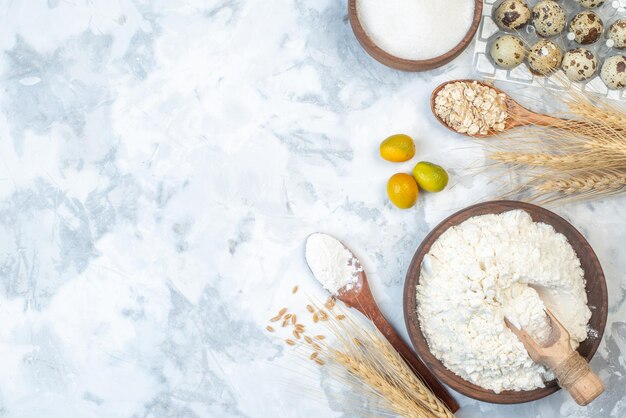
x=416, y=29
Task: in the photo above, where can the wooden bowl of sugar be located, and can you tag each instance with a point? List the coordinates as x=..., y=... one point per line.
x=414, y=35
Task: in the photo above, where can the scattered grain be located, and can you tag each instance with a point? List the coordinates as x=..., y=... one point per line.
x=290, y=342
x=294, y=290
x=323, y=316
x=269, y=328
x=320, y=337
x=296, y=334
x=316, y=318
x=341, y=317
x=308, y=339
x=319, y=361
x=279, y=315
x=314, y=355
x=310, y=308
x=330, y=303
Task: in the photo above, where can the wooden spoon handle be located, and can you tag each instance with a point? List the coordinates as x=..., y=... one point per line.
x=420, y=369
x=544, y=120
x=575, y=376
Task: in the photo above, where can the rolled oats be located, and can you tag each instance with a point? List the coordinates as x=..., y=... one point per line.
x=471, y=108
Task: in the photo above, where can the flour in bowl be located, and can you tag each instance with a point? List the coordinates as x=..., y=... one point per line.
x=485, y=268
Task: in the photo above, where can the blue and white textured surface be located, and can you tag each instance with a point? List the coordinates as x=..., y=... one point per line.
x=161, y=163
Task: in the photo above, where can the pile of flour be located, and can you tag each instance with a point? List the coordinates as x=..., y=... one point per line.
x=331, y=263
x=488, y=267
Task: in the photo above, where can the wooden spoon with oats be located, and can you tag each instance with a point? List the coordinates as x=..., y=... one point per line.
x=359, y=296
x=480, y=110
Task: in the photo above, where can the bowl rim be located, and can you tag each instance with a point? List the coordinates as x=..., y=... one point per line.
x=403, y=64
x=594, y=277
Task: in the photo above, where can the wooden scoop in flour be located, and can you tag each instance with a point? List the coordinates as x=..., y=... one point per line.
x=572, y=371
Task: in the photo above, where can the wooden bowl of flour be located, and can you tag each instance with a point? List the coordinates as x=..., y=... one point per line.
x=392, y=61
x=595, y=288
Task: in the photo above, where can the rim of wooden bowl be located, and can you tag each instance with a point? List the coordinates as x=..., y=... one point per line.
x=595, y=288
x=392, y=61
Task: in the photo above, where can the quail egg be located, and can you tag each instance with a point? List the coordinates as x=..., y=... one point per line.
x=579, y=64
x=548, y=18
x=545, y=57
x=589, y=4
x=587, y=27
x=617, y=33
x=613, y=72
x=512, y=14
x=508, y=51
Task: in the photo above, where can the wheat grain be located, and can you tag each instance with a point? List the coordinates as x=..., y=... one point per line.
x=315, y=318
x=294, y=290
x=323, y=316
x=296, y=334
x=279, y=315
x=269, y=328
x=310, y=308
x=308, y=339
x=320, y=337
x=290, y=342
x=314, y=355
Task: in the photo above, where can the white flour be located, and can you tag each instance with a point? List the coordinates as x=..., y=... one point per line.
x=525, y=310
x=331, y=263
x=480, y=270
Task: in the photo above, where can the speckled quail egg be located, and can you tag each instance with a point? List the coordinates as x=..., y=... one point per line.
x=590, y=4
x=613, y=72
x=587, y=27
x=507, y=51
x=579, y=64
x=512, y=14
x=617, y=33
x=548, y=18
x=544, y=57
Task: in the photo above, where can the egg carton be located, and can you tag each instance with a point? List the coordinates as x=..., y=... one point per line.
x=488, y=31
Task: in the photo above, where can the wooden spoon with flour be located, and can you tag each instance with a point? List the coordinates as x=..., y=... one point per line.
x=340, y=272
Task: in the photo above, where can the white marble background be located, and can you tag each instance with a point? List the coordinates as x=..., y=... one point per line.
x=161, y=163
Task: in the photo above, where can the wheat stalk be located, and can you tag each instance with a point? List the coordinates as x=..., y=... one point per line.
x=408, y=378
x=367, y=356
x=582, y=157
x=586, y=183
x=358, y=354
